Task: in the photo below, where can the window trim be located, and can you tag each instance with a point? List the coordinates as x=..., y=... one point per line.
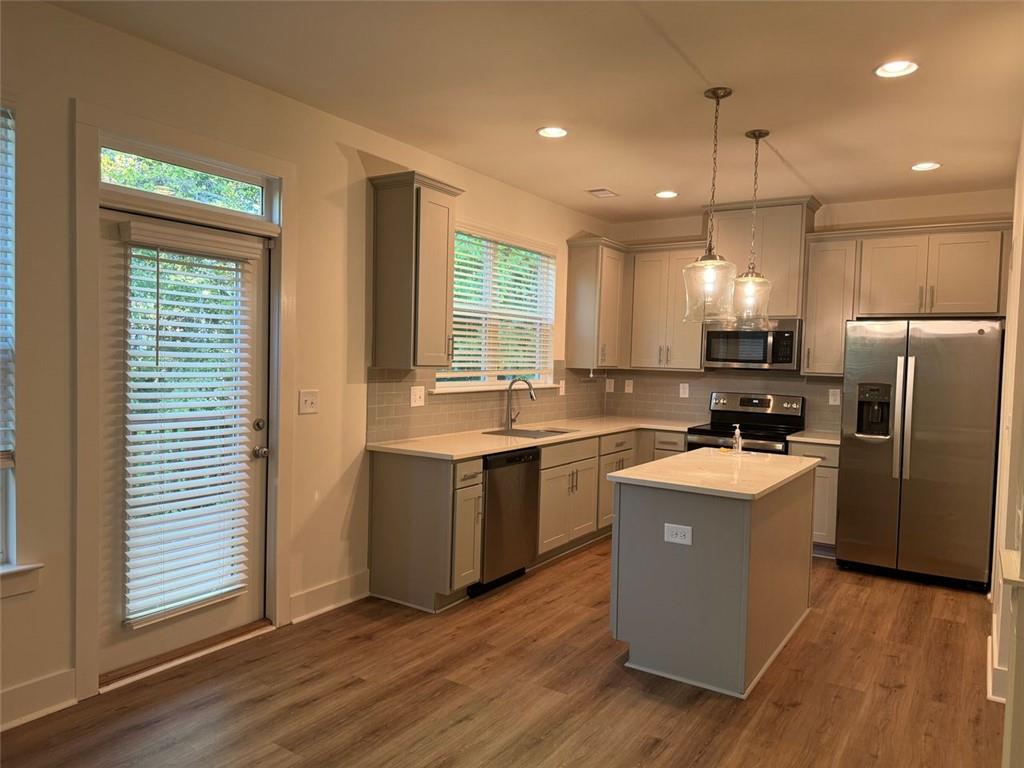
x=8, y=460
x=548, y=250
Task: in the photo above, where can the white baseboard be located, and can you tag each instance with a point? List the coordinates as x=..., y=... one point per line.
x=36, y=698
x=334, y=594
x=997, y=679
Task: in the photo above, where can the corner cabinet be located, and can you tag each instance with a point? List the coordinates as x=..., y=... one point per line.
x=660, y=337
x=413, y=263
x=831, y=276
x=780, y=247
x=595, y=304
x=956, y=273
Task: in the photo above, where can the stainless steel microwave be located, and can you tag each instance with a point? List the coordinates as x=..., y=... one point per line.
x=775, y=349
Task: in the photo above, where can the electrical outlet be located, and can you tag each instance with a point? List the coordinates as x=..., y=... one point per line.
x=835, y=397
x=629, y=387
x=309, y=401
x=417, y=396
x=561, y=386
x=678, y=534
x=609, y=385
x=684, y=390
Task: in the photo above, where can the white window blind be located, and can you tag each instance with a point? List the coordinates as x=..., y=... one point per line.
x=189, y=320
x=503, y=313
x=6, y=289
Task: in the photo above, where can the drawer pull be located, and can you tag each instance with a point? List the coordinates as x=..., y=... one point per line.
x=669, y=443
x=470, y=476
x=620, y=443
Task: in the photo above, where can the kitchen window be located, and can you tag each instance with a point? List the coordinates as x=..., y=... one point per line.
x=503, y=311
x=6, y=327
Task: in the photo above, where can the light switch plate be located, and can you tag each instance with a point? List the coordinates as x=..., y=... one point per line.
x=835, y=397
x=561, y=386
x=609, y=385
x=309, y=401
x=678, y=534
x=684, y=390
x=417, y=396
x=628, y=389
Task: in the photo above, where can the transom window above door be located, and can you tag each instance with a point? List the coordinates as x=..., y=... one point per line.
x=503, y=307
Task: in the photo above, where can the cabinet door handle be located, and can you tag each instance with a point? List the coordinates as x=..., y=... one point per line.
x=931, y=298
x=808, y=357
x=575, y=480
x=668, y=355
x=920, y=298
x=659, y=354
x=604, y=351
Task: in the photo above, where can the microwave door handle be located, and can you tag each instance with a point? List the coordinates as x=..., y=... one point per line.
x=768, y=351
x=897, y=420
x=909, y=415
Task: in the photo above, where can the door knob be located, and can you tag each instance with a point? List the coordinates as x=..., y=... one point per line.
x=260, y=452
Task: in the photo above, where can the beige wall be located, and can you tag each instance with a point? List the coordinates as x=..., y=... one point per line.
x=1010, y=490
x=50, y=57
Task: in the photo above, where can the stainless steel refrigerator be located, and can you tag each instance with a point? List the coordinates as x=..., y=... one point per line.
x=917, y=460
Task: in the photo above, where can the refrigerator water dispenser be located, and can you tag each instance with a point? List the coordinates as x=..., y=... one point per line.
x=873, y=402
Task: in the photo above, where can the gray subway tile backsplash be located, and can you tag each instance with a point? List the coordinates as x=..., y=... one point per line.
x=655, y=394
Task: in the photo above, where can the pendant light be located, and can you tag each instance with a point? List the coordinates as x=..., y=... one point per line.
x=750, y=300
x=709, y=280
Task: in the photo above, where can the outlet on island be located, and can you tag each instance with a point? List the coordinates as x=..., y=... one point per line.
x=678, y=534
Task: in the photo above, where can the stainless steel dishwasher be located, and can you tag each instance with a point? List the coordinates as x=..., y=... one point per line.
x=511, y=506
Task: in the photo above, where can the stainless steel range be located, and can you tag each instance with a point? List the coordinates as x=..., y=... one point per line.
x=765, y=420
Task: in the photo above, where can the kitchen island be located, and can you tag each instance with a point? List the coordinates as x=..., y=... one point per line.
x=711, y=561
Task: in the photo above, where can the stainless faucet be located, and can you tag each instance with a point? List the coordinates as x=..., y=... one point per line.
x=510, y=418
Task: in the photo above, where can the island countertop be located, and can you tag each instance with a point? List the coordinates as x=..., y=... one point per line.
x=717, y=472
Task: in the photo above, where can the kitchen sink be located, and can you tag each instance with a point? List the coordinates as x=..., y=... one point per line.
x=534, y=433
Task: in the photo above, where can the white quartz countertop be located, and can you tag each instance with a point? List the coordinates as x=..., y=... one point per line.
x=456, y=446
x=817, y=437
x=717, y=472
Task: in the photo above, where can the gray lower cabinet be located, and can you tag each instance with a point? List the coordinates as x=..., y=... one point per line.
x=467, y=535
x=568, y=503
x=613, y=462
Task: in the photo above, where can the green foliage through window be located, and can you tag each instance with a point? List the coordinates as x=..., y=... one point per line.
x=144, y=173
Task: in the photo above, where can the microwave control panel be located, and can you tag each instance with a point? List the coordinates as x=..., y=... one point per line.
x=782, y=347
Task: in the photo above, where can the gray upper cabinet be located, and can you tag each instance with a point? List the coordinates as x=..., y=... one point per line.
x=780, y=248
x=964, y=273
x=594, y=304
x=831, y=274
x=943, y=274
x=660, y=337
x=413, y=263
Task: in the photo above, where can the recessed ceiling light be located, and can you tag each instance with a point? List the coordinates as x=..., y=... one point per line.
x=666, y=194
x=928, y=166
x=552, y=132
x=896, y=69
x=602, y=192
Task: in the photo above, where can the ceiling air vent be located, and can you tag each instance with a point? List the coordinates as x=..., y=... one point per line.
x=602, y=192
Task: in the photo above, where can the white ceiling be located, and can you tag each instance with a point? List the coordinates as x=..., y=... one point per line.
x=472, y=81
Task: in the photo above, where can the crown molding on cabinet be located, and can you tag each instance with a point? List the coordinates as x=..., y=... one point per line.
x=810, y=201
x=904, y=229
x=407, y=178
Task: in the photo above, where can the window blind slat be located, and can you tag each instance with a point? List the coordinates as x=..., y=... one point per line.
x=503, y=301
x=187, y=398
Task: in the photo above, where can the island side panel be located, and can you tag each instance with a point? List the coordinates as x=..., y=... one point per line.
x=781, y=530
x=410, y=529
x=681, y=607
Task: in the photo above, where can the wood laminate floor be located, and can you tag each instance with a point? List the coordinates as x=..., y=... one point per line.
x=881, y=673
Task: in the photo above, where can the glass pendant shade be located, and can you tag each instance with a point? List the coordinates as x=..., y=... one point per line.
x=709, y=283
x=750, y=300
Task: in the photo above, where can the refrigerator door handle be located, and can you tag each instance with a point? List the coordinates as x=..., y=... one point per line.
x=909, y=417
x=897, y=420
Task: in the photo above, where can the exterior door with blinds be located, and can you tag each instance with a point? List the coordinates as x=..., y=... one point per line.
x=185, y=332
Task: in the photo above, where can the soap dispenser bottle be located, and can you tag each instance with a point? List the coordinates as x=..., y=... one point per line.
x=737, y=440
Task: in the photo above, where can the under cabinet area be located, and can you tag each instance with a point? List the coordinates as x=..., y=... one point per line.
x=596, y=304
x=943, y=274
x=413, y=263
x=660, y=337
x=831, y=274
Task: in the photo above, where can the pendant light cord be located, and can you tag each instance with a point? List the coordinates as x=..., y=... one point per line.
x=714, y=181
x=752, y=265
